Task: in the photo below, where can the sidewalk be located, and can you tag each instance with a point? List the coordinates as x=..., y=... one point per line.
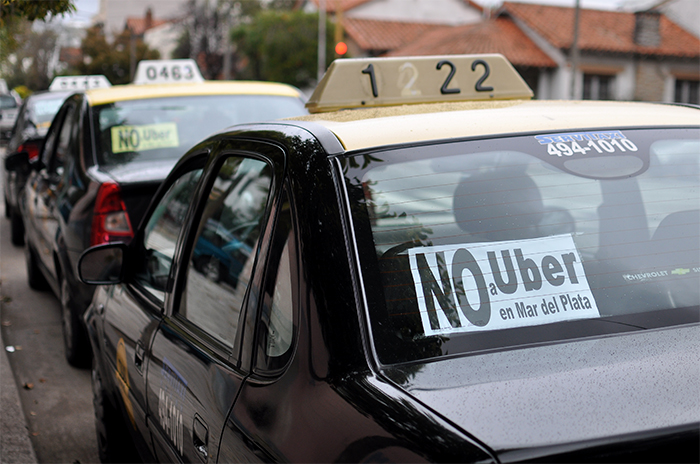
x=15, y=446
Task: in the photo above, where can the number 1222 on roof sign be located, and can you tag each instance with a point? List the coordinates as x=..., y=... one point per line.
x=365, y=82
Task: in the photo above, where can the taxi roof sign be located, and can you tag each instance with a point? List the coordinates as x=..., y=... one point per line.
x=79, y=83
x=369, y=82
x=167, y=72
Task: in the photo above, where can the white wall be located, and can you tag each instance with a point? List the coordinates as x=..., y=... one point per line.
x=423, y=11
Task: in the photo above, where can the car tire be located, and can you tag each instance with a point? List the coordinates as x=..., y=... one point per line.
x=16, y=228
x=113, y=441
x=8, y=209
x=35, y=278
x=75, y=342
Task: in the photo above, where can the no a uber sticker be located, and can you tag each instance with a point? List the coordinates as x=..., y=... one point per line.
x=500, y=285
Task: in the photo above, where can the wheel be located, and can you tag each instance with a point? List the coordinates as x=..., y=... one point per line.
x=113, y=441
x=75, y=342
x=8, y=208
x=16, y=228
x=35, y=278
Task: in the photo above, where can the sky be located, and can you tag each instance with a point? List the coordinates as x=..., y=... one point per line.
x=88, y=8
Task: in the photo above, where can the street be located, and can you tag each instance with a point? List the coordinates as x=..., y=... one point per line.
x=56, y=398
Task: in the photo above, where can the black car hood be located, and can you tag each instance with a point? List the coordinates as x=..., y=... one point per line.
x=139, y=171
x=578, y=391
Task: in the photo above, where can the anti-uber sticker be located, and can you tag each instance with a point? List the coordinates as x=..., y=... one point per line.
x=145, y=137
x=573, y=143
x=500, y=285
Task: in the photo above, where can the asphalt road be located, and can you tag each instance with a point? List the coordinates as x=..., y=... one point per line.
x=56, y=398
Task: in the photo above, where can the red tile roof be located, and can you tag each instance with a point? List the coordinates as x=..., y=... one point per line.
x=332, y=5
x=371, y=34
x=498, y=35
x=70, y=55
x=602, y=31
x=141, y=25
x=345, y=5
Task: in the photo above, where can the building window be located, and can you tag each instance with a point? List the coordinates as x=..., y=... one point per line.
x=598, y=86
x=687, y=91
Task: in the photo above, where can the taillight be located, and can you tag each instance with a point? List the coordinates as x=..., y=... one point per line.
x=32, y=149
x=110, y=221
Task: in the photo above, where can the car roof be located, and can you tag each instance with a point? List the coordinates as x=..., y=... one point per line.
x=139, y=92
x=49, y=95
x=364, y=128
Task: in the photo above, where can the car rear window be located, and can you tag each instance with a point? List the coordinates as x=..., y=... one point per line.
x=165, y=128
x=7, y=102
x=491, y=243
x=43, y=110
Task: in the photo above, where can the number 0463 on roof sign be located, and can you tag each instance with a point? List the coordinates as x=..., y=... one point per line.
x=366, y=82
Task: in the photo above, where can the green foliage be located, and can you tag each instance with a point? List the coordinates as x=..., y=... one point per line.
x=23, y=91
x=282, y=46
x=15, y=15
x=34, y=9
x=112, y=60
x=31, y=56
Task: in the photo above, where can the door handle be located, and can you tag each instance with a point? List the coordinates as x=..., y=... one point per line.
x=200, y=437
x=138, y=355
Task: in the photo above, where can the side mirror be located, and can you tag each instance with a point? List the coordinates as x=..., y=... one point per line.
x=17, y=162
x=102, y=264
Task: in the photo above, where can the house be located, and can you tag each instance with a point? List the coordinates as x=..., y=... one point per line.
x=497, y=35
x=622, y=55
x=158, y=34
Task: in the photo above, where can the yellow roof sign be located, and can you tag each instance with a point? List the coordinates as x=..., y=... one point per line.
x=368, y=82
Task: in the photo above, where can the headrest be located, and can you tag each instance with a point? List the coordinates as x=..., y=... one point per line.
x=499, y=205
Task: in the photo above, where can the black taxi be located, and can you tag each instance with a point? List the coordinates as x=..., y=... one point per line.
x=429, y=267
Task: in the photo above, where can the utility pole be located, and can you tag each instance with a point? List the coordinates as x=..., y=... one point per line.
x=574, y=51
x=132, y=54
x=321, y=39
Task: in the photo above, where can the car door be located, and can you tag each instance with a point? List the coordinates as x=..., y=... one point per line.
x=134, y=309
x=195, y=372
x=43, y=188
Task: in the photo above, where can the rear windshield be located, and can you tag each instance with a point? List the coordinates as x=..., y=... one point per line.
x=6, y=102
x=165, y=128
x=492, y=243
x=43, y=110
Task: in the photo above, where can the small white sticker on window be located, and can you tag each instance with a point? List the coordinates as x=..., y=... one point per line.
x=500, y=285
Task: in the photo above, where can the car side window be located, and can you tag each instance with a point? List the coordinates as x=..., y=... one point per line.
x=52, y=137
x=161, y=234
x=225, y=247
x=276, y=327
x=65, y=143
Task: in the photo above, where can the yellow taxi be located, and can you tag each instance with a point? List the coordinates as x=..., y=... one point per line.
x=105, y=154
x=431, y=267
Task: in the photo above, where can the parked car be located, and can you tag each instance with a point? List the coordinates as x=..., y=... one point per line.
x=106, y=153
x=9, y=106
x=32, y=124
x=444, y=273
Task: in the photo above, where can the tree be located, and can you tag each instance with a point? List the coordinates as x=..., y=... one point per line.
x=13, y=13
x=31, y=58
x=282, y=46
x=206, y=35
x=111, y=59
x=33, y=10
